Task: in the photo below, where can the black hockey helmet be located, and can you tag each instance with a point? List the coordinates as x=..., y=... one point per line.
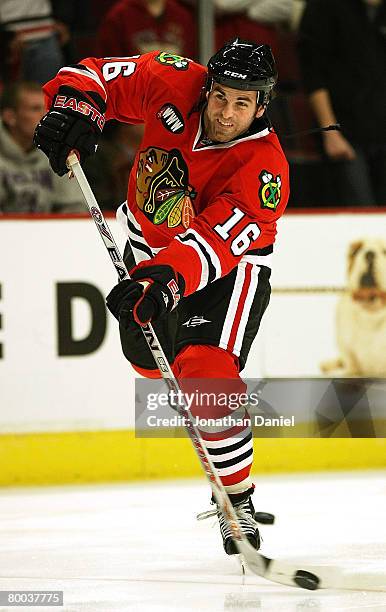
x=241, y=64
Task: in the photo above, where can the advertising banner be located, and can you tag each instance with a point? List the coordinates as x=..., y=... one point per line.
x=61, y=366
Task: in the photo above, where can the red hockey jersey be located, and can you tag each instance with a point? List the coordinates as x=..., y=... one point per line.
x=196, y=205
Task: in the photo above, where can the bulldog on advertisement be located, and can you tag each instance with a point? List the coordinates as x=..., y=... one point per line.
x=361, y=313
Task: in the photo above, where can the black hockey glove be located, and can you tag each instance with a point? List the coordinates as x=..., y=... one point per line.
x=162, y=291
x=74, y=121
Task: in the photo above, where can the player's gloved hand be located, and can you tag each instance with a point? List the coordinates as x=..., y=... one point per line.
x=74, y=121
x=160, y=292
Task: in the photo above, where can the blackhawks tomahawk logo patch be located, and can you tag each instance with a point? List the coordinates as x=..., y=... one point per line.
x=269, y=190
x=163, y=192
x=171, y=59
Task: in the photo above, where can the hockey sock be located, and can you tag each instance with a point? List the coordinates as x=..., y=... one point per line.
x=229, y=444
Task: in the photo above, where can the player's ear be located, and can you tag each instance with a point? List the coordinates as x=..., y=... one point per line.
x=260, y=111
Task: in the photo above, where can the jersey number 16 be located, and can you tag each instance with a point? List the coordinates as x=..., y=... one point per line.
x=244, y=238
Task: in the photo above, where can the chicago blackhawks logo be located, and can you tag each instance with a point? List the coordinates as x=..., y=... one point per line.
x=163, y=192
x=170, y=59
x=269, y=190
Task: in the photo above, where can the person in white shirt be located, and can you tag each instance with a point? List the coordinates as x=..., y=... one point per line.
x=27, y=183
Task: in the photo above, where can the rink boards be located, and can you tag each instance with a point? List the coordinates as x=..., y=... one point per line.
x=67, y=393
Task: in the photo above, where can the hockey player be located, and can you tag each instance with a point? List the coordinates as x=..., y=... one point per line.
x=209, y=182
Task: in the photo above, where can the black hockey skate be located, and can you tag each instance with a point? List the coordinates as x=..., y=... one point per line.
x=245, y=511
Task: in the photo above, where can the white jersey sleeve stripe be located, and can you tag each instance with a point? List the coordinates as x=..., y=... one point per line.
x=141, y=249
x=204, y=264
x=91, y=74
x=213, y=255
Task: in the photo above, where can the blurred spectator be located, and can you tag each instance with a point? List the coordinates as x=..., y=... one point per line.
x=342, y=49
x=297, y=12
x=139, y=26
x=73, y=19
x=100, y=9
x=254, y=20
x=108, y=170
x=264, y=11
x=27, y=183
x=30, y=40
x=129, y=28
x=259, y=21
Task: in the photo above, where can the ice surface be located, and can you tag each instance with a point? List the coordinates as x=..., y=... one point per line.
x=139, y=547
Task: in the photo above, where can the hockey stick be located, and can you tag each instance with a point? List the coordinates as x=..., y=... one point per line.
x=282, y=572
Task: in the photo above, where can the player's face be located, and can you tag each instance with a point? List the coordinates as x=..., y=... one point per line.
x=229, y=112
